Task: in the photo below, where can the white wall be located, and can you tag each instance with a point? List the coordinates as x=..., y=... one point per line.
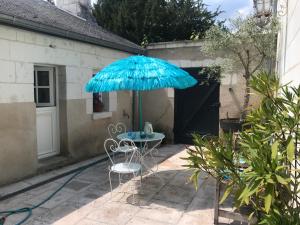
x=20, y=50
x=289, y=41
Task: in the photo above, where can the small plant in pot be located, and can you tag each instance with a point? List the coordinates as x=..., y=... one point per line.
x=243, y=44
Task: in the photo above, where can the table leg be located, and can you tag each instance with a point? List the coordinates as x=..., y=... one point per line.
x=147, y=152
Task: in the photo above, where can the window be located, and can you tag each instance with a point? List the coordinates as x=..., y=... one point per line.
x=100, y=102
x=44, y=88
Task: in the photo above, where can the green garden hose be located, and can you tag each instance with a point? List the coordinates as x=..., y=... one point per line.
x=28, y=210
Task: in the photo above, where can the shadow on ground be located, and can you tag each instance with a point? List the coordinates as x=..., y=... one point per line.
x=165, y=197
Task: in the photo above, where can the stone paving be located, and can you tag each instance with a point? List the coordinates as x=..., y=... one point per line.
x=165, y=197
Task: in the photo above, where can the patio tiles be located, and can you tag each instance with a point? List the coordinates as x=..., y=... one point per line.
x=43, y=189
x=165, y=197
x=182, y=179
x=114, y=213
x=162, y=211
x=176, y=194
x=191, y=220
x=18, y=217
x=77, y=185
x=144, y=221
x=86, y=221
x=59, y=198
x=73, y=217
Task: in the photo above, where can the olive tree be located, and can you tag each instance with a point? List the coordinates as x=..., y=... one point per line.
x=243, y=44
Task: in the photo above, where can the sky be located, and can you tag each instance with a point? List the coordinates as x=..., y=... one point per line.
x=231, y=8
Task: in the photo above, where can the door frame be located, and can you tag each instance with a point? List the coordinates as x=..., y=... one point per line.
x=56, y=98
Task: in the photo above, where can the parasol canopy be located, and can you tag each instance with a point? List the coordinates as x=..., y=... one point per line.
x=139, y=73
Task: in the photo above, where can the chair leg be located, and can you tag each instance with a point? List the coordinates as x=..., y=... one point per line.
x=132, y=188
x=109, y=177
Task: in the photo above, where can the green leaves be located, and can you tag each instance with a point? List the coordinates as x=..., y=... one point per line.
x=268, y=198
x=282, y=180
x=275, y=150
x=146, y=21
x=271, y=182
x=226, y=193
x=290, y=151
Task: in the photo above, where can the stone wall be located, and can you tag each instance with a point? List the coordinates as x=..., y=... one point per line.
x=81, y=131
x=187, y=54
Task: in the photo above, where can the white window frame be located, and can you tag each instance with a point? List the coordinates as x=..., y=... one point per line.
x=51, y=86
x=105, y=103
x=112, y=104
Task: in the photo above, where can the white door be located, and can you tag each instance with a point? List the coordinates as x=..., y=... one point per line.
x=46, y=111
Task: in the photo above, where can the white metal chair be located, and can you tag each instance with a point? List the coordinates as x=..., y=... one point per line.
x=113, y=131
x=129, y=165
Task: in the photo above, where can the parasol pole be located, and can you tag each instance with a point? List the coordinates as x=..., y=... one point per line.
x=140, y=111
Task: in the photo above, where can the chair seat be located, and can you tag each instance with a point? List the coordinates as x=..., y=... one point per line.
x=126, y=148
x=126, y=167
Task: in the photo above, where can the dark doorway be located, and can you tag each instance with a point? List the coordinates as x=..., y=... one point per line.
x=196, y=109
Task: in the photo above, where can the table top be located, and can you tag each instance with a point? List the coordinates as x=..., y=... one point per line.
x=135, y=136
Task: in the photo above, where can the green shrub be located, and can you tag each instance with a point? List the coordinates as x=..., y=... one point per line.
x=269, y=146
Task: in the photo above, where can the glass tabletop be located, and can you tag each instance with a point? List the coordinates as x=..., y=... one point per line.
x=135, y=136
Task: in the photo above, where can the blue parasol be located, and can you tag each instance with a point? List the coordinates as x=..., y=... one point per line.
x=139, y=73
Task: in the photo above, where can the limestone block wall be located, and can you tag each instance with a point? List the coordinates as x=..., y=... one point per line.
x=81, y=132
x=187, y=54
x=288, y=63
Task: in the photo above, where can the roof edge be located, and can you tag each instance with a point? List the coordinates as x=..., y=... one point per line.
x=41, y=28
x=175, y=44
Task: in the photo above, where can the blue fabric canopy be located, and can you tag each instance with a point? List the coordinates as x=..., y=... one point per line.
x=139, y=73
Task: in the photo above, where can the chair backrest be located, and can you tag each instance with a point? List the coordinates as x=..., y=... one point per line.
x=135, y=153
x=115, y=129
x=111, y=147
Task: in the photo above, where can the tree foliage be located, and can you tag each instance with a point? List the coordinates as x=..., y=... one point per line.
x=263, y=170
x=143, y=21
x=246, y=45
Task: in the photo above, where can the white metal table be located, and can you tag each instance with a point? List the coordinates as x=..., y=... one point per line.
x=156, y=138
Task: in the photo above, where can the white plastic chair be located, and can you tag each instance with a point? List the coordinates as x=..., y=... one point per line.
x=129, y=165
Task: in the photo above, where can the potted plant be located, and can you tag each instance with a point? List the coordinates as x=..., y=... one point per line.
x=243, y=44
